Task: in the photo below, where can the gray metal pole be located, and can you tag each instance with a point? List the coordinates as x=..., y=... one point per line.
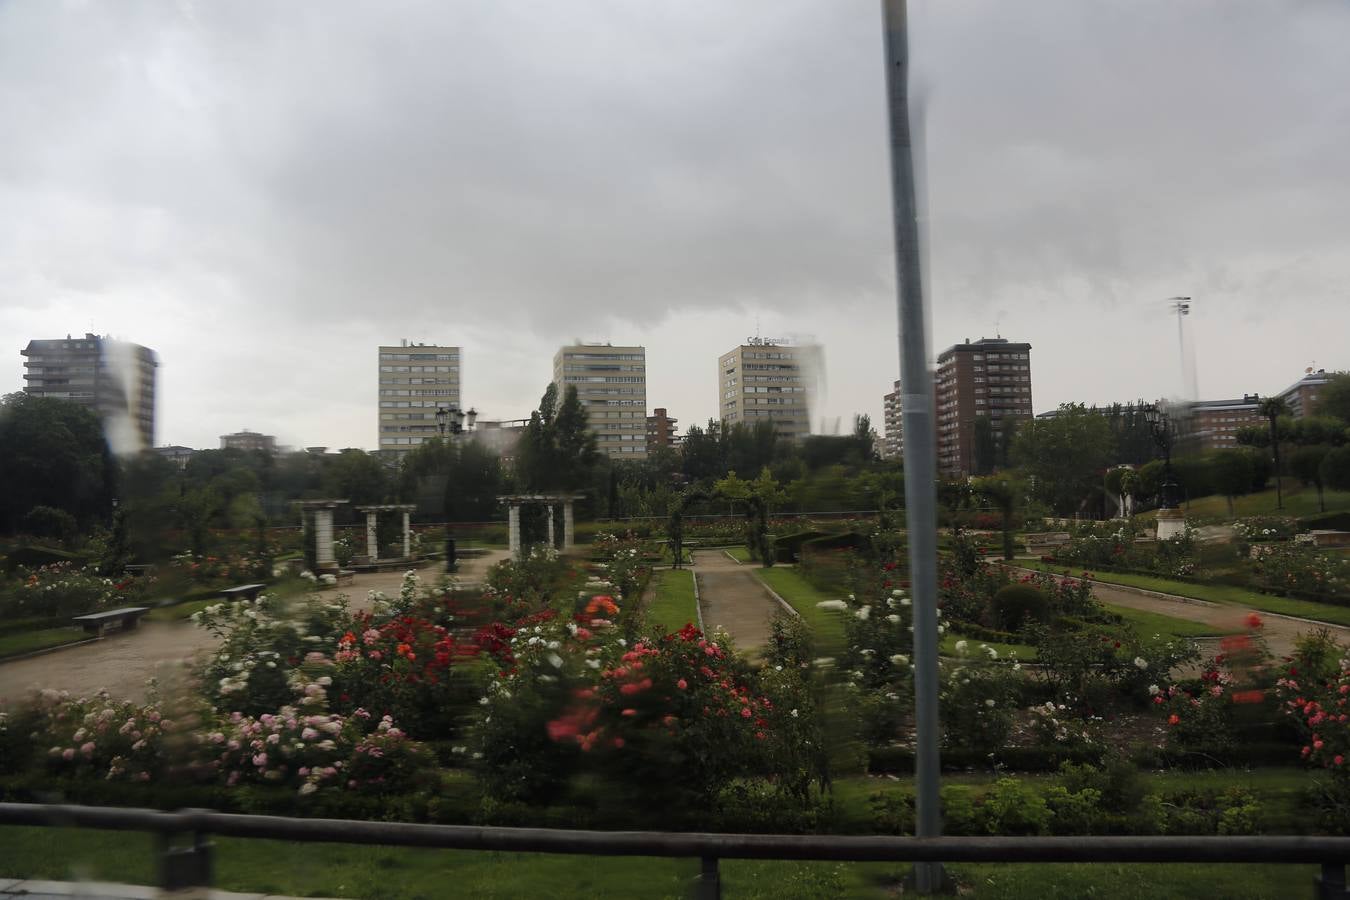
x=920, y=440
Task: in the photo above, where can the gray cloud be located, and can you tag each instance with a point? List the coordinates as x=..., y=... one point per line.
x=242, y=185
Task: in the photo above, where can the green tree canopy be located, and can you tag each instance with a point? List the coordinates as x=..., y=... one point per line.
x=1065, y=455
x=53, y=454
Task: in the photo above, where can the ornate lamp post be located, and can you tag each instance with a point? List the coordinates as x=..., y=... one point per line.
x=1171, y=522
x=455, y=421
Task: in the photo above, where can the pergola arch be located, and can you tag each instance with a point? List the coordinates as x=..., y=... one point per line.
x=515, y=501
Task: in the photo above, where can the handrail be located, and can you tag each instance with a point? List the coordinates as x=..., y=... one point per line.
x=1331, y=853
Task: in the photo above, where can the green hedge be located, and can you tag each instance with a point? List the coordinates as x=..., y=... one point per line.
x=32, y=557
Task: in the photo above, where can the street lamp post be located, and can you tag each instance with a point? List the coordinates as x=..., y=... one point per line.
x=455, y=421
x=1171, y=522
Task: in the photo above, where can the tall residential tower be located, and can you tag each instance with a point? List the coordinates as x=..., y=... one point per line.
x=415, y=381
x=611, y=383
x=769, y=379
x=989, y=379
x=113, y=378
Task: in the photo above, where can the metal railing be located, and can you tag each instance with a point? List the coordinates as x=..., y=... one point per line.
x=186, y=853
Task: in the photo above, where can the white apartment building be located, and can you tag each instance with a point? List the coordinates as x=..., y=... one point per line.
x=611, y=383
x=415, y=380
x=772, y=379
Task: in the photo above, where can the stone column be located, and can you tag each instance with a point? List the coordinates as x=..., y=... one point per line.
x=513, y=529
x=372, y=530
x=569, y=535
x=407, y=536
x=551, y=544
x=323, y=541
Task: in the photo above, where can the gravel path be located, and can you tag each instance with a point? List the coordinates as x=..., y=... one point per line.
x=733, y=599
x=123, y=663
x=1280, y=632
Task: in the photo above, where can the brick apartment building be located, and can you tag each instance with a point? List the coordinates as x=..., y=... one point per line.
x=989, y=377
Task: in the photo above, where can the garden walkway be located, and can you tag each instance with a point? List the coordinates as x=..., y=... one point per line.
x=80, y=890
x=1280, y=632
x=733, y=599
x=123, y=663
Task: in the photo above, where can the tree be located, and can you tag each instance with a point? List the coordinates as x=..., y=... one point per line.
x=357, y=476
x=1064, y=455
x=1335, y=469
x=1306, y=465
x=758, y=496
x=1334, y=399
x=1311, y=431
x=557, y=450
x=1232, y=472
x=1005, y=494
x=1273, y=408
x=54, y=455
x=704, y=457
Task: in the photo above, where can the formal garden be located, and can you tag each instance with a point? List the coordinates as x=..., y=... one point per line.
x=553, y=696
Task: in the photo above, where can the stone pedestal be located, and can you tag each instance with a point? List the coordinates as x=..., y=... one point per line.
x=551, y=544
x=569, y=535
x=513, y=530
x=372, y=531
x=1171, y=524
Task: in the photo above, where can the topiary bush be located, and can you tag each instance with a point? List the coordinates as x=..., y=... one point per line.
x=1018, y=605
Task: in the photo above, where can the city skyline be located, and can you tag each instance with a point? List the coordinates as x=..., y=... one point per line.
x=262, y=226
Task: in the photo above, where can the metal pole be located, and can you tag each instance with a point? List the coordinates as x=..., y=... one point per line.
x=920, y=439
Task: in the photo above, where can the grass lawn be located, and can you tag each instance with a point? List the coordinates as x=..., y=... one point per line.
x=672, y=605
x=21, y=642
x=1217, y=593
x=801, y=595
x=1147, y=623
x=739, y=553
x=1298, y=501
x=336, y=870
x=1005, y=651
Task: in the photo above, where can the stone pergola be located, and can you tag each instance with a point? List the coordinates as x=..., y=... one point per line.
x=372, y=517
x=322, y=511
x=515, y=501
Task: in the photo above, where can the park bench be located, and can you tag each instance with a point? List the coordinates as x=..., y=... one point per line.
x=345, y=576
x=127, y=617
x=247, y=591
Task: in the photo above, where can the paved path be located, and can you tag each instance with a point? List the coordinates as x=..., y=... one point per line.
x=1280, y=632
x=69, y=890
x=732, y=598
x=123, y=663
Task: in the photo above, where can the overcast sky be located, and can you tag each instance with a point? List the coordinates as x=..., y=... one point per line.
x=264, y=192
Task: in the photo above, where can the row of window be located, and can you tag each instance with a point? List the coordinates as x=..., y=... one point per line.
x=411, y=404
x=419, y=368
x=421, y=392
x=407, y=357
x=604, y=379
x=598, y=368
x=636, y=357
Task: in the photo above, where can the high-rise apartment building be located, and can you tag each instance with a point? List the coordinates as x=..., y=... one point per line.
x=113, y=378
x=611, y=383
x=893, y=444
x=415, y=380
x=769, y=379
x=991, y=378
x=661, y=430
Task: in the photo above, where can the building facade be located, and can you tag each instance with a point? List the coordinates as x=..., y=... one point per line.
x=1301, y=396
x=989, y=378
x=113, y=378
x=611, y=382
x=1213, y=424
x=415, y=380
x=893, y=443
x=769, y=379
x=661, y=430
x=248, y=440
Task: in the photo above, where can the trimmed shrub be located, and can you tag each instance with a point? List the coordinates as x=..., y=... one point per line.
x=1017, y=605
